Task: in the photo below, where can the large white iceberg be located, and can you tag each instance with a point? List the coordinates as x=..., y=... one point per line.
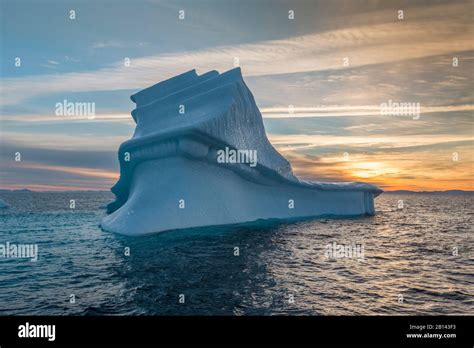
x=200, y=157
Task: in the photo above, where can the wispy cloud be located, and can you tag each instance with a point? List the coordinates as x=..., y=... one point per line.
x=50, y=64
x=305, y=141
x=108, y=44
x=36, y=118
x=363, y=45
x=81, y=171
x=71, y=59
x=55, y=187
x=348, y=110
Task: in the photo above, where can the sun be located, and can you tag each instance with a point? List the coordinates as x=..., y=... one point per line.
x=370, y=169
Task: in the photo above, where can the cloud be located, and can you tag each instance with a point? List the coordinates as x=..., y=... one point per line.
x=71, y=59
x=81, y=171
x=57, y=168
x=336, y=107
x=108, y=44
x=294, y=142
x=58, y=157
x=421, y=168
x=31, y=118
x=50, y=64
x=347, y=110
x=363, y=45
x=65, y=141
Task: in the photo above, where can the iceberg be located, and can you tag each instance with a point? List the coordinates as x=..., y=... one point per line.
x=3, y=204
x=199, y=156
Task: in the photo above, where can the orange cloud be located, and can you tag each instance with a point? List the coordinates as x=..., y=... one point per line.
x=418, y=170
x=82, y=171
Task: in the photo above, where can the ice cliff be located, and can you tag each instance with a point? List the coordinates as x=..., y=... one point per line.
x=199, y=156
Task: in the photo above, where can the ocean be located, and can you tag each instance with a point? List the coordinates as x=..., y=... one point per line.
x=414, y=257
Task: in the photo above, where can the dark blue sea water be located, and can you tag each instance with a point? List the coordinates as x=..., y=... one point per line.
x=409, y=263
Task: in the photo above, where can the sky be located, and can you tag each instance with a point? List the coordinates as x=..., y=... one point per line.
x=319, y=77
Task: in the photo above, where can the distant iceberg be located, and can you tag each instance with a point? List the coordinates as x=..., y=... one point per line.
x=200, y=156
x=3, y=204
